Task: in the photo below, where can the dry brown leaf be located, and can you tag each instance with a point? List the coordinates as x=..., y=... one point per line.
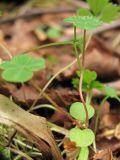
x=32, y=127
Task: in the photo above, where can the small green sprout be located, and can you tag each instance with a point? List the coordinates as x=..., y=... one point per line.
x=20, y=69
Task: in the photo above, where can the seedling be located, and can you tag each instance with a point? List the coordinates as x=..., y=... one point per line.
x=20, y=69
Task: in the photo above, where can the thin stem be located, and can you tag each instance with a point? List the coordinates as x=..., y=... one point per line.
x=98, y=113
x=75, y=48
x=81, y=76
x=75, y=34
x=59, y=129
x=51, y=80
x=84, y=48
x=48, y=45
x=6, y=50
x=24, y=95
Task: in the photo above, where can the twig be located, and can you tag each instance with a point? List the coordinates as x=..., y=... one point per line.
x=78, y=3
x=37, y=12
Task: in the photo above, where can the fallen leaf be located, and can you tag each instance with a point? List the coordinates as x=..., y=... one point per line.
x=32, y=127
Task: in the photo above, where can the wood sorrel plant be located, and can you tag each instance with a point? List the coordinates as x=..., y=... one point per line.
x=22, y=67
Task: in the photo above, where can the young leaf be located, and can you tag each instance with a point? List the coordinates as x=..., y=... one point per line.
x=84, y=153
x=97, y=5
x=78, y=112
x=85, y=22
x=89, y=76
x=21, y=68
x=82, y=138
x=109, y=13
x=98, y=85
x=84, y=12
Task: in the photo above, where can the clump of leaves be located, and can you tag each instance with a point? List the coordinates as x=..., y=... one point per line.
x=20, y=68
x=103, y=9
x=89, y=81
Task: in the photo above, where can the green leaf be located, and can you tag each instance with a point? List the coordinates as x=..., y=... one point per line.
x=78, y=112
x=12, y=75
x=5, y=154
x=89, y=76
x=75, y=82
x=111, y=92
x=84, y=22
x=21, y=68
x=82, y=138
x=109, y=13
x=97, y=5
x=98, y=85
x=84, y=12
x=84, y=153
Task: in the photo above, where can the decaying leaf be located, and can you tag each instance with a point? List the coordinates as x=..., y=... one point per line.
x=32, y=127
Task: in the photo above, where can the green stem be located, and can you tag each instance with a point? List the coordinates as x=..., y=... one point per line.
x=98, y=113
x=75, y=48
x=48, y=45
x=43, y=106
x=88, y=98
x=58, y=129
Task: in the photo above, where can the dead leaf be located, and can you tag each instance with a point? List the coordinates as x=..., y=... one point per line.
x=105, y=154
x=32, y=127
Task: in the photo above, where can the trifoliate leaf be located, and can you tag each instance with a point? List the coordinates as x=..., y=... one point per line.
x=82, y=138
x=109, y=13
x=97, y=5
x=84, y=153
x=84, y=22
x=84, y=12
x=77, y=111
x=111, y=92
x=21, y=68
x=89, y=76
